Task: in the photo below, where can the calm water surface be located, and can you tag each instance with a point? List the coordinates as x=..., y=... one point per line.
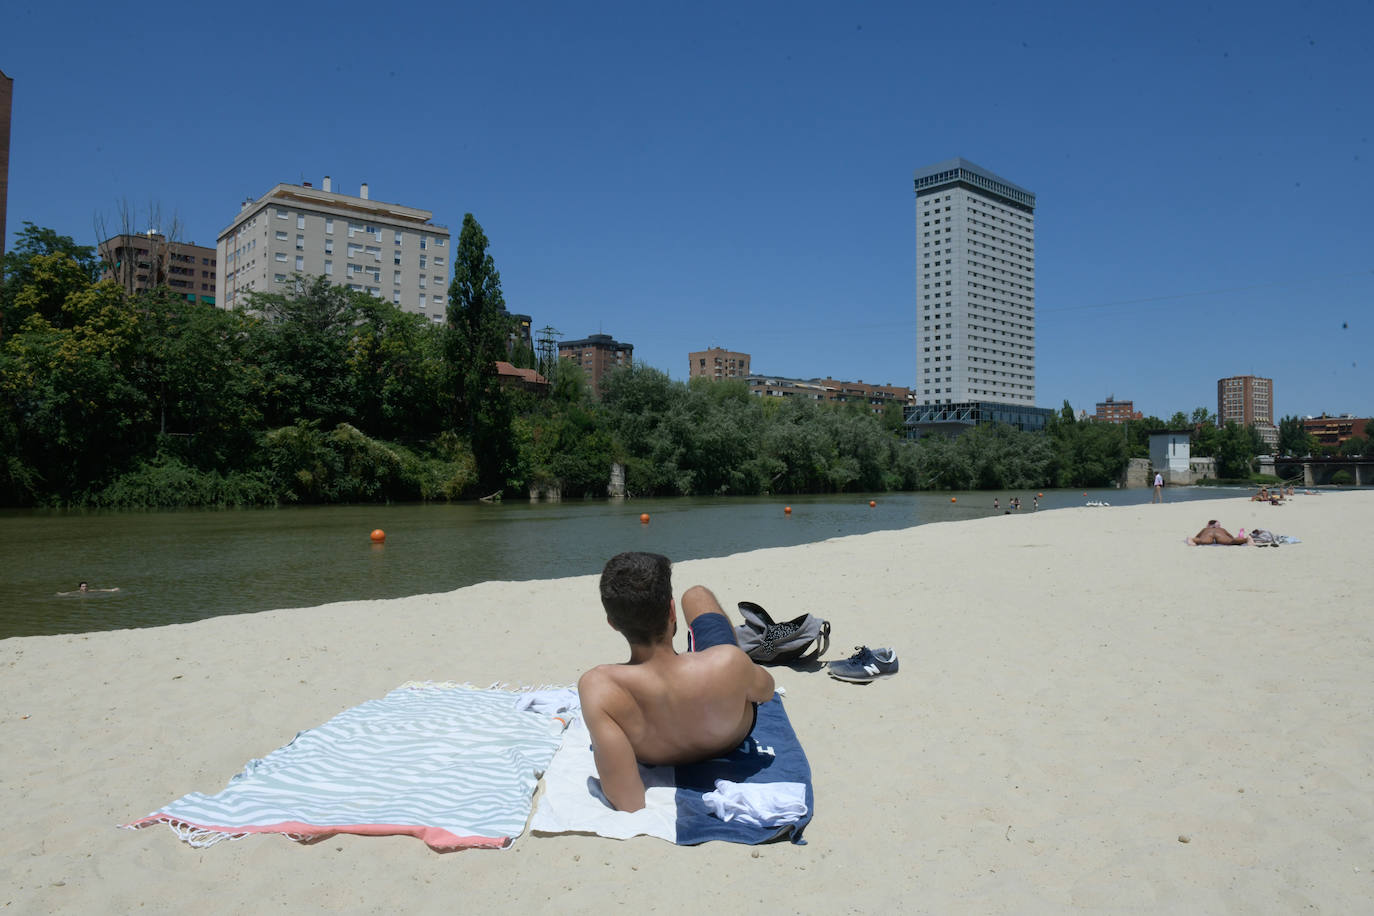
x=176, y=567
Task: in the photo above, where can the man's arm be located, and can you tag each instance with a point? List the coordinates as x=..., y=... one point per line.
x=760, y=683
x=615, y=757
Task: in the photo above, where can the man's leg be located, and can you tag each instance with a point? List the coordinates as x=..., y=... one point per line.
x=707, y=624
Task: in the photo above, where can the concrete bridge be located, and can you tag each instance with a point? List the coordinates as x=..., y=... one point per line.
x=1319, y=471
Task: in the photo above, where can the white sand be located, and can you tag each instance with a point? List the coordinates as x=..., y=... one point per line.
x=1079, y=690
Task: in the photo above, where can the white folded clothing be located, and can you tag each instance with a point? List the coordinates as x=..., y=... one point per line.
x=767, y=804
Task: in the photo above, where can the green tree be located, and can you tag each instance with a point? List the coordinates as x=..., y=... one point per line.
x=396, y=362
x=75, y=415
x=1354, y=447
x=1294, y=439
x=40, y=272
x=303, y=349
x=1236, y=450
x=475, y=340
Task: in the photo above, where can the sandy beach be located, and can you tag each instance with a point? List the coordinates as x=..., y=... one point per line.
x=1089, y=716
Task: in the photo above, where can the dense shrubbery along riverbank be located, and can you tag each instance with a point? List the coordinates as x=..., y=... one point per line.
x=326, y=395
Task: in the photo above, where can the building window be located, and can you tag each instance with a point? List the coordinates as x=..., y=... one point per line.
x=300, y=220
x=281, y=234
x=300, y=262
x=283, y=214
x=329, y=224
x=422, y=259
x=328, y=246
x=424, y=242
x=329, y=267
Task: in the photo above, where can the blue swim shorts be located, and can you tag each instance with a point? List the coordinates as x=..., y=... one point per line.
x=710, y=630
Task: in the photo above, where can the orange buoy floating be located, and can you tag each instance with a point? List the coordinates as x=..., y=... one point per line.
x=644, y=518
x=872, y=503
x=786, y=510
x=1039, y=495
x=378, y=535
x=953, y=500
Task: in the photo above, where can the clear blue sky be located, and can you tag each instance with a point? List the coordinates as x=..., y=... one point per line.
x=740, y=174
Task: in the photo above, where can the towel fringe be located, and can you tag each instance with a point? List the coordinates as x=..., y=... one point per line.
x=190, y=834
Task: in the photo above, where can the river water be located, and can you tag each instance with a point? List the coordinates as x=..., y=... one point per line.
x=180, y=566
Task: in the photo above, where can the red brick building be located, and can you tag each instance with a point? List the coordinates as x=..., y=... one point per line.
x=1114, y=411
x=6, y=101
x=597, y=354
x=150, y=261
x=1332, y=432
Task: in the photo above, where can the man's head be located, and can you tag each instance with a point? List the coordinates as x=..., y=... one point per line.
x=637, y=593
x=83, y=586
x=1211, y=523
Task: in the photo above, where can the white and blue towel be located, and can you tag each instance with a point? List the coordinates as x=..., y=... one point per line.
x=759, y=792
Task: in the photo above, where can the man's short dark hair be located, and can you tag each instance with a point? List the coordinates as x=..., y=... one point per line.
x=636, y=589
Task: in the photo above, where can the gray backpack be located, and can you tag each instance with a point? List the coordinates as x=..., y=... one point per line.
x=771, y=643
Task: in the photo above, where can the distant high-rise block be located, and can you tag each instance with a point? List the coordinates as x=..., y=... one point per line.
x=975, y=289
x=1249, y=401
x=389, y=251
x=597, y=354
x=717, y=363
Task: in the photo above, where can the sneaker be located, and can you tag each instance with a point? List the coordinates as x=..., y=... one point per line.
x=864, y=665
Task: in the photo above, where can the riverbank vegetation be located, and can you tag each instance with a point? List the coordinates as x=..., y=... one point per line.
x=326, y=395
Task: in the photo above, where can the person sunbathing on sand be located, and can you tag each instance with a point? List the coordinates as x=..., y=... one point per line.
x=1215, y=534
x=662, y=708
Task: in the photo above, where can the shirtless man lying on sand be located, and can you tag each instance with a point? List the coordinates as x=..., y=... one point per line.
x=661, y=708
x=1215, y=534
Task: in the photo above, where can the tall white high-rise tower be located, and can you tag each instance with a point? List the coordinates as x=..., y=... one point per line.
x=975, y=288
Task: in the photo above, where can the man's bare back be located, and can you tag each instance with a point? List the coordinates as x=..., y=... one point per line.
x=662, y=708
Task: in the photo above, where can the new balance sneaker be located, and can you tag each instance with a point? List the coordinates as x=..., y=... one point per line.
x=865, y=665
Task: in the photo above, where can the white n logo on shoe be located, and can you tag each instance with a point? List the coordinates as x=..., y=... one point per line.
x=871, y=669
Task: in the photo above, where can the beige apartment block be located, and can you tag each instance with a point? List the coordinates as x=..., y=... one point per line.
x=717, y=363
x=387, y=250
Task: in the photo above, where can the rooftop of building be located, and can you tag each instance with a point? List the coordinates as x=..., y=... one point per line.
x=961, y=169
x=363, y=205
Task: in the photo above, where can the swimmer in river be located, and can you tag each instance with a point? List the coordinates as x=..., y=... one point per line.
x=85, y=589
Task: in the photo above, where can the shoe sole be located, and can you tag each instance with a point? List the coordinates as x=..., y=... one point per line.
x=860, y=679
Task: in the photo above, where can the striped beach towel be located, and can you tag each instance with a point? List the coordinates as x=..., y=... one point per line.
x=452, y=765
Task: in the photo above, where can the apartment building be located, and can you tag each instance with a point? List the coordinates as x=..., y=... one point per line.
x=597, y=354
x=1332, y=432
x=145, y=262
x=877, y=397
x=1114, y=411
x=717, y=363
x=390, y=251
x=1249, y=401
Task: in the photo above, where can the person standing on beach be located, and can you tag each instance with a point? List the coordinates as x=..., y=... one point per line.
x=662, y=708
x=1159, y=488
